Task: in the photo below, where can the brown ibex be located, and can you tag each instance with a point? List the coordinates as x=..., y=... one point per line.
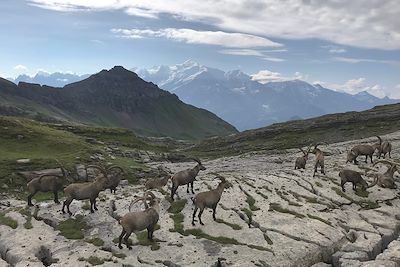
x=49, y=183
x=186, y=177
x=114, y=177
x=319, y=159
x=360, y=150
x=209, y=199
x=302, y=161
x=386, y=179
x=384, y=148
x=140, y=220
x=355, y=178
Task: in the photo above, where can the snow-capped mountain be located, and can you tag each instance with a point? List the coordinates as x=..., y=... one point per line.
x=56, y=79
x=248, y=104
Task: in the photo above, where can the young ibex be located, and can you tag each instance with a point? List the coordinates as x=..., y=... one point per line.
x=386, y=180
x=360, y=150
x=319, y=159
x=140, y=220
x=354, y=178
x=88, y=190
x=302, y=161
x=157, y=183
x=114, y=177
x=186, y=177
x=48, y=183
x=383, y=148
x=208, y=199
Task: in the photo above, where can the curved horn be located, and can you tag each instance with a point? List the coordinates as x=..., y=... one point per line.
x=115, y=167
x=220, y=177
x=61, y=167
x=385, y=161
x=197, y=160
x=301, y=149
x=380, y=139
x=102, y=170
x=137, y=200
x=374, y=182
x=149, y=193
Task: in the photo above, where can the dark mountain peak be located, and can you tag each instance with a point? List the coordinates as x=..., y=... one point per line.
x=4, y=82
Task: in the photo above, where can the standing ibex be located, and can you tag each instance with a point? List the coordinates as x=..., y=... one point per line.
x=114, y=177
x=208, y=199
x=140, y=220
x=319, y=159
x=49, y=183
x=186, y=177
x=383, y=148
x=88, y=190
x=360, y=150
x=302, y=161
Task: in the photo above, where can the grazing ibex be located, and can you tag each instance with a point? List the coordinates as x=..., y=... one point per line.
x=49, y=183
x=386, y=180
x=186, y=177
x=319, y=159
x=302, y=161
x=140, y=220
x=355, y=178
x=88, y=190
x=383, y=148
x=209, y=199
x=360, y=150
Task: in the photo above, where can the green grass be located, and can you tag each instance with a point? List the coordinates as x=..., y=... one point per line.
x=361, y=193
x=251, y=201
x=283, y=196
x=6, y=220
x=144, y=241
x=93, y=260
x=364, y=204
x=73, y=228
x=248, y=213
x=98, y=242
x=278, y=208
x=28, y=218
x=177, y=206
x=232, y=225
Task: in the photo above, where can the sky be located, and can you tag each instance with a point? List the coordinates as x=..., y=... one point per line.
x=344, y=45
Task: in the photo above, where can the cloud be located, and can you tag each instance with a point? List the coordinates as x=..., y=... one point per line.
x=365, y=60
x=358, y=23
x=257, y=53
x=273, y=59
x=20, y=68
x=265, y=76
x=226, y=39
x=334, y=49
x=355, y=86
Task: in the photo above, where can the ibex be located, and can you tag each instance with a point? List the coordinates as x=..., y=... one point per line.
x=354, y=178
x=114, y=178
x=49, y=183
x=157, y=183
x=386, y=180
x=140, y=220
x=88, y=190
x=186, y=177
x=319, y=160
x=302, y=161
x=383, y=148
x=209, y=199
x=360, y=150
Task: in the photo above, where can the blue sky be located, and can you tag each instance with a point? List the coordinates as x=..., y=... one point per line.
x=344, y=46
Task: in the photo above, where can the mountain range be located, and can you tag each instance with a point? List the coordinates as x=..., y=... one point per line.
x=56, y=79
x=248, y=104
x=113, y=98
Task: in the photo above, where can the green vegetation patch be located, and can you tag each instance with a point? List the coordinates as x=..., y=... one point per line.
x=232, y=225
x=73, y=228
x=28, y=218
x=283, y=195
x=251, y=201
x=98, y=242
x=94, y=260
x=177, y=206
x=278, y=208
x=6, y=220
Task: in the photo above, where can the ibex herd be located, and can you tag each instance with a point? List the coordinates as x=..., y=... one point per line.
x=133, y=221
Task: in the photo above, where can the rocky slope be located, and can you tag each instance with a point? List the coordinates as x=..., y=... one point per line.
x=296, y=220
x=112, y=98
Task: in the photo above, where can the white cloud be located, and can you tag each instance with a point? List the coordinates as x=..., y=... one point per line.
x=265, y=76
x=359, y=23
x=365, y=60
x=234, y=40
x=20, y=68
x=273, y=59
x=334, y=49
x=355, y=86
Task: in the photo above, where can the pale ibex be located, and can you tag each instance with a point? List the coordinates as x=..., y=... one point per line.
x=302, y=161
x=209, y=199
x=186, y=177
x=319, y=159
x=140, y=220
x=386, y=180
x=355, y=178
x=360, y=150
x=157, y=183
x=88, y=190
x=383, y=148
x=49, y=183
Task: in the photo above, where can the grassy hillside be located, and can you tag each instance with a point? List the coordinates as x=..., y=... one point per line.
x=329, y=128
x=43, y=143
